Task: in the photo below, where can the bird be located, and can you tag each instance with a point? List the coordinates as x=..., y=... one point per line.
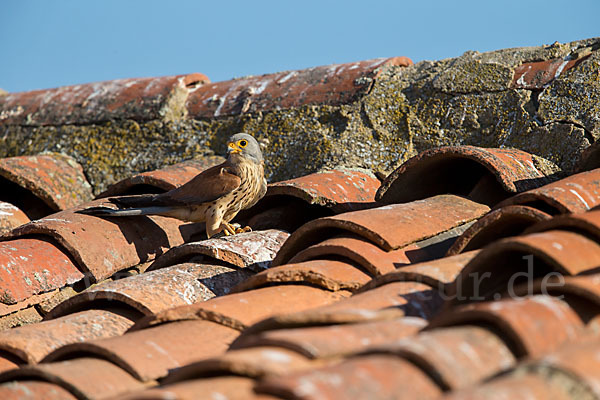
x=215, y=196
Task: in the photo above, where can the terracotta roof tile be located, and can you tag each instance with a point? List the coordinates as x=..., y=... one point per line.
x=254, y=250
x=289, y=204
x=137, y=99
x=32, y=266
x=102, y=247
x=11, y=217
x=523, y=324
x=342, y=190
x=161, y=180
x=484, y=175
x=33, y=390
x=575, y=193
x=149, y=354
x=523, y=387
x=535, y=255
x=387, y=226
x=31, y=343
x=455, y=357
x=222, y=387
x=368, y=377
x=587, y=224
x=331, y=84
x=436, y=274
x=538, y=74
x=328, y=274
x=239, y=310
x=74, y=376
x=497, y=224
x=333, y=340
x=411, y=298
x=253, y=362
x=155, y=291
x=579, y=361
x=39, y=185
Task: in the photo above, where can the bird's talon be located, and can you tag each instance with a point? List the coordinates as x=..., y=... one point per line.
x=243, y=230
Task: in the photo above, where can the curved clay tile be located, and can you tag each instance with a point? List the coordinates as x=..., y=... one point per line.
x=11, y=217
x=74, y=376
x=31, y=390
x=587, y=224
x=137, y=99
x=31, y=343
x=31, y=266
x=155, y=291
x=515, y=387
x=505, y=263
x=220, y=387
x=573, y=194
x=329, y=84
x=239, y=310
x=168, y=346
x=39, y=185
x=327, y=274
x=377, y=376
x=457, y=357
x=330, y=341
x=289, y=204
x=253, y=250
x=522, y=323
x=161, y=180
x=103, y=246
x=389, y=227
x=481, y=174
x=437, y=274
x=497, y=224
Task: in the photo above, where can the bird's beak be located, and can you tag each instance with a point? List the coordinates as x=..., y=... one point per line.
x=233, y=148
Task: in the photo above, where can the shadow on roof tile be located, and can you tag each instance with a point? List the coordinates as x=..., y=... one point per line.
x=161, y=180
x=484, y=175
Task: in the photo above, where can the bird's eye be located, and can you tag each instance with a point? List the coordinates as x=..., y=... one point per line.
x=242, y=143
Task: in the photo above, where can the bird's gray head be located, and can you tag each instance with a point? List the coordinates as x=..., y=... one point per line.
x=246, y=146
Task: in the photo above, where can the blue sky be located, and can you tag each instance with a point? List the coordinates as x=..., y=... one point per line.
x=61, y=42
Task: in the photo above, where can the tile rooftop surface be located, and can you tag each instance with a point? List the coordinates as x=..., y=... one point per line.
x=466, y=272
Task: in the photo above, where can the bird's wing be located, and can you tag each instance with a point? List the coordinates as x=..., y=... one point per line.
x=208, y=186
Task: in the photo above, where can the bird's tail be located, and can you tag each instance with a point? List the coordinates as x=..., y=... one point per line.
x=129, y=212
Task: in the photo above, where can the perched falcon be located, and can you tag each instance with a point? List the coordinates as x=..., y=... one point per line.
x=214, y=196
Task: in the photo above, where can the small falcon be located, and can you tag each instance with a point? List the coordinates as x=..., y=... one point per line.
x=214, y=196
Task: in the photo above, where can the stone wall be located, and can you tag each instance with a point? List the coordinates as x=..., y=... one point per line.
x=372, y=114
